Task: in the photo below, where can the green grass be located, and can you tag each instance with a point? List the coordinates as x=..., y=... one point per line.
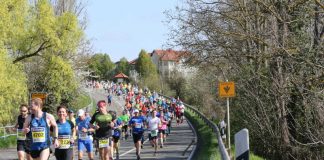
x=208, y=145
x=82, y=101
x=252, y=156
x=8, y=142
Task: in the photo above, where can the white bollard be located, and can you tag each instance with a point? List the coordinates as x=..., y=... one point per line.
x=242, y=145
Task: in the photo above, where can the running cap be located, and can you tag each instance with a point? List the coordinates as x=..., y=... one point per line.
x=81, y=112
x=136, y=111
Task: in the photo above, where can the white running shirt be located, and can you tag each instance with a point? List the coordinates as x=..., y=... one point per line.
x=153, y=123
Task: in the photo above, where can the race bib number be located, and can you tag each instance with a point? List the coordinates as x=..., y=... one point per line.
x=103, y=143
x=20, y=135
x=64, y=141
x=153, y=133
x=138, y=125
x=83, y=135
x=38, y=134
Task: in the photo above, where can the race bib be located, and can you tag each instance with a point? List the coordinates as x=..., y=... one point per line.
x=38, y=134
x=138, y=125
x=64, y=141
x=83, y=135
x=103, y=143
x=153, y=133
x=20, y=135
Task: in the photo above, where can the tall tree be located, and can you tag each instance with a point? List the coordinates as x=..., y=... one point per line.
x=274, y=52
x=13, y=88
x=102, y=66
x=60, y=80
x=144, y=65
x=122, y=66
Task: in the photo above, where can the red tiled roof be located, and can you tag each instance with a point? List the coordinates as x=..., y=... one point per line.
x=133, y=62
x=169, y=54
x=121, y=75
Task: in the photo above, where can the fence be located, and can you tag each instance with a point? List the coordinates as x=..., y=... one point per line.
x=7, y=131
x=213, y=126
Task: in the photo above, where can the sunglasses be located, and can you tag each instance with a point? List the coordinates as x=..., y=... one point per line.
x=23, y=111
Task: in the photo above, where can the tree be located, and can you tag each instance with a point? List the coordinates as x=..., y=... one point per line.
x=13, y=88
x=42, y=32
x=273, y=50
x=60, y=80
x=102, y=66
x=122, y=66
x=144, y=65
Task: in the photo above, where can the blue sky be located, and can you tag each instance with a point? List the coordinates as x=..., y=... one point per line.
x=123, y=28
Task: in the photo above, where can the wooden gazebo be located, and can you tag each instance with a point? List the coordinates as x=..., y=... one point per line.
x=120, y=78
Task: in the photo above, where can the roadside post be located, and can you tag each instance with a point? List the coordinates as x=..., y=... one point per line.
x=242, y=148
x=227, y=90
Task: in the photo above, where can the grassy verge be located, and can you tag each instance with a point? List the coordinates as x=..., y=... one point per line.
x=82, y=101
x=252, y=156
x=8, y=142
x=208, y=146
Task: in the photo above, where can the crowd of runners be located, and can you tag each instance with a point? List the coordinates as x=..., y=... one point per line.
x=145, y=115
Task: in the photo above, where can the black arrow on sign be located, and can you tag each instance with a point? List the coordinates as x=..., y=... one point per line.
x=227, y=88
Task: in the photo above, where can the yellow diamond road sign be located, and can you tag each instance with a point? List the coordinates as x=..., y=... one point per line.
x=226, y=89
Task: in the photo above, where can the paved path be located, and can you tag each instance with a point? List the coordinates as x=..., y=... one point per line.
x=177, y=142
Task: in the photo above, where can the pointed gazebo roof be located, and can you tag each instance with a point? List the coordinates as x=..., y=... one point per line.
x=121, y=75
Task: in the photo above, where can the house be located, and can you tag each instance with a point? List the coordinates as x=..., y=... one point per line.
x=170, y=60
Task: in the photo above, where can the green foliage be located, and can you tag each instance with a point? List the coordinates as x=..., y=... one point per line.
x=144, y=65
x=8, y=142
x=152, y=82
x=34, y=35
x=13, y=89
x=12, y=15
x=178, y=83
x=102, y=66
x=60, y=80
x=122, y=67
x=81, y=101
x=208, y=145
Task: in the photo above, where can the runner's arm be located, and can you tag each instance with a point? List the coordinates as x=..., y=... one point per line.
x=26, y=124
x=55, y=129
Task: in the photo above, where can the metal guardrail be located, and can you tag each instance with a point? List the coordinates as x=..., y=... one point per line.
x=7, y=131
x=213, y=126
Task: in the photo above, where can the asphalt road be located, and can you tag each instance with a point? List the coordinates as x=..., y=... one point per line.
x=176, y=143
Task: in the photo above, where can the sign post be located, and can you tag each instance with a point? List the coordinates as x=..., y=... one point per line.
x=227, y=90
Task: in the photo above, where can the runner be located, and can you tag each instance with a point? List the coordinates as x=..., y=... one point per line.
x=162, y=129
x=66, y=132
x=109, y=99
x=182, y=110
x=145, y=124
x=23, y=143
x=38, y=123
x=118, y=123
x=153, y=125
x=104, y=124
x=125, y=119
x=84, y=136
x=137, y=124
